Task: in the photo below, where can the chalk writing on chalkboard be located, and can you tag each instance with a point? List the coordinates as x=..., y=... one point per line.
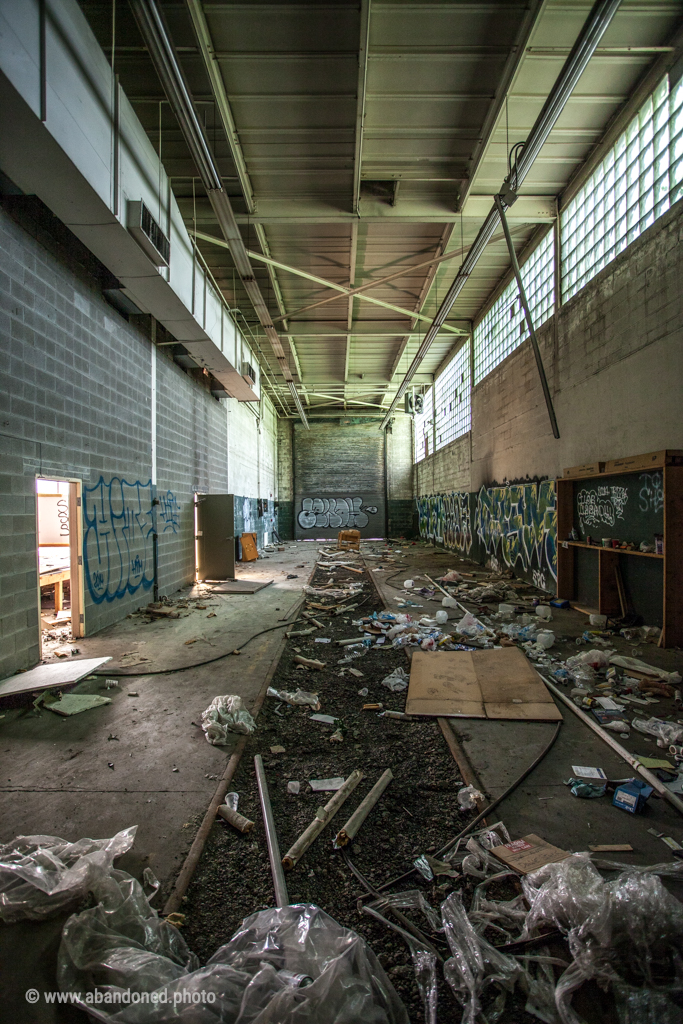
x=602, y=504
x=651, y=495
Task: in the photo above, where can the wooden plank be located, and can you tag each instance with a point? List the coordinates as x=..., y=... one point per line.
x=565, y=555
x=45, y=677
x=608, y=592
x=442, y=686
x=249, y=550
x=586, y=470
x=652, y=460
x=672, y=633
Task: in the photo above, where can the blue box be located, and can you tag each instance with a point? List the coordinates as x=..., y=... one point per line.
x=632, y=796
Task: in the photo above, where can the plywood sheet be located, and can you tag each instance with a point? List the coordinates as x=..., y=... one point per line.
x=241, y=586
x=511, y=687
x=43, y=677
x=499, y=684
x=441, y=686
x=249, y=551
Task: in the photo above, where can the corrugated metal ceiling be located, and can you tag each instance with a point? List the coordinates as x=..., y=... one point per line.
x=447, y=87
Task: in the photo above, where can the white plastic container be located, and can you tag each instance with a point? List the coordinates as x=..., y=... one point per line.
x=544, y=611
x=441, y=616
x=544, y=638
x=449, y=602
x=599, y=621
x=408, y=584
x=506, y=610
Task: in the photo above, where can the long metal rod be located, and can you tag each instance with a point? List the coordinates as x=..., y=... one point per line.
x=649, y=777
x=527, y=313
x=276, y=869
x=593, y=30
x=155, y=35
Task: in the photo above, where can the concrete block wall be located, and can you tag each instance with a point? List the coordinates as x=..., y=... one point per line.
x=76, y=402
x=285, y=479
x=400, y=505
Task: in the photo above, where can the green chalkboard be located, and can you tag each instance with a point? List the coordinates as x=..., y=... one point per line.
x=627, y=507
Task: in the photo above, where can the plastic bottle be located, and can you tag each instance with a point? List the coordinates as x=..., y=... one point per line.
x=544, y=611
x=408, y=584
x=441, y=616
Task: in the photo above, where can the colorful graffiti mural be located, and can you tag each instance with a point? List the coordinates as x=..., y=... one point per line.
x=513, y=527
x=119, y=521
x=334, y=512
x=517, y=525
x=446, y=519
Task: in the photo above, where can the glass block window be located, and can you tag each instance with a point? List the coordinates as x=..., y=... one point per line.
x=452, y=399
x=638, y=180
x=504, y=327
x=424, y=429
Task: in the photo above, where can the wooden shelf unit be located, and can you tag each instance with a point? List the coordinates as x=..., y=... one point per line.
x=671, y=465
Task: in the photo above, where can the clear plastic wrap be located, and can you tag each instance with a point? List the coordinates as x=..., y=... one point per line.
x=665, y=732
x=43, y=875
x=474, y=964
x=121, y=948
x=627, y=933
x=224, y=715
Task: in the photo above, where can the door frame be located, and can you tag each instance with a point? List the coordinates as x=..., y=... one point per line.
x=76, y=582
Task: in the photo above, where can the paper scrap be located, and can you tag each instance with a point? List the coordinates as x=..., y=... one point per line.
x=582, y=772
x=326, y=719
x=325, y=785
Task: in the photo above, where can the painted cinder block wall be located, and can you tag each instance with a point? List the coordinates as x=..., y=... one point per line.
x=76, y=401
x=614, y=360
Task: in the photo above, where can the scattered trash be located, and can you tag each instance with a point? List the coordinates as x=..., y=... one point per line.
x=397, y=681
x=224, y=715
x=133, y=693
x=420, y=863
x=293, y=786
x=632, y=796
x=299, y=697
x=325, y=719
x=665, y=732
x=588, y=773
x=228, y=811
x=364, y=692
x=337, y=737
x=612, y=848
x=468, y=797
x=586, y=789
x=322, y=817
x=322, y=640
x=529, y=854
x=277, y=750
x=109, y=684
x=325, y=785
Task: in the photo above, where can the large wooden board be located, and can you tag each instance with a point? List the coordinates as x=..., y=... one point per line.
x=439, y=686
x=500, y=684
x=43, y=677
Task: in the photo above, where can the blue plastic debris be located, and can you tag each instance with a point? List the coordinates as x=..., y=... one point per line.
x=632, y=796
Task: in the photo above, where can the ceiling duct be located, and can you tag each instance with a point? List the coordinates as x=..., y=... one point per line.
x=592, y=32
x=162, y=53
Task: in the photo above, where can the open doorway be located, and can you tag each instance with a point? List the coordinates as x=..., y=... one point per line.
x=60, y=588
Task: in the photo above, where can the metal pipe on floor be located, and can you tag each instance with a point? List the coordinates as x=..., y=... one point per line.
x=276, y=869
x=649, y=777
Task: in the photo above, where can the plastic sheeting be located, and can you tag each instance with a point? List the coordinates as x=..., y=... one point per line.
x=132, y=967
x=224, y=715
x=43, y=875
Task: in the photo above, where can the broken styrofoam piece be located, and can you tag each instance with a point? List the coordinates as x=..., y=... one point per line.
x=299, y=697
x=293, y=786
x=74, y=703
x=326, y=785
x=224, y=715
x=325, y=719
x=397, y=681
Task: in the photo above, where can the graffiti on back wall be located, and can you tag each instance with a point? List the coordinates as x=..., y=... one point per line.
x=513, y=527
x=517, y=525
x=337, y=513
x=446, y=519
x=119, y=521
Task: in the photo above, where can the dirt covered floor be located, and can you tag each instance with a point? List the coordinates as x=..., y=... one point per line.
x=417, y=814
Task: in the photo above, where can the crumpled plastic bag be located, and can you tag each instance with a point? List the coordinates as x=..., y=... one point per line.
x=223, y=715
x=397, y=681
x=261, y=974
x=594, y=659
x=469, y=625
x=666, y=732
x=42, y=875
x=634, y=665
x=625, y=932
x=299, y=697
x=468, y=797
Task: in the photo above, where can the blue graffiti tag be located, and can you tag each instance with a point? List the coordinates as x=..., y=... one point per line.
x=169, y=512
x=119, y=524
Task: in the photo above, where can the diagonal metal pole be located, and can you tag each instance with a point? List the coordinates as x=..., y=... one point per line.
x=527, y=313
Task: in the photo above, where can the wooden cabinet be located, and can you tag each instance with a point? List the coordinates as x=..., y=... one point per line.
x=665, y=468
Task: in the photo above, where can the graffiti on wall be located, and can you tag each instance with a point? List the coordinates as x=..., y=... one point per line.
x=119, y=521
x=601, y=504
x=651, y=494
x=517, y=525
x=446, y=519
x=337, y=513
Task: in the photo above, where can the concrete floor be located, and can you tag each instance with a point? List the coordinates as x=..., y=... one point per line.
x=56, y=778
x=500, y=751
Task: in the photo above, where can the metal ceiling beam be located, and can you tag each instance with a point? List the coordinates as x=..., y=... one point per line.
x=592, y=32
x=325, y=283
x=162, y=54
x=361, y=90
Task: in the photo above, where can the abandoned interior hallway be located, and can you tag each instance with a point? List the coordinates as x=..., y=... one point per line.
x=341, y=511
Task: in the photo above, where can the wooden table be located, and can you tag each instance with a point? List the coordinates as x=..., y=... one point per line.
x=56, y=578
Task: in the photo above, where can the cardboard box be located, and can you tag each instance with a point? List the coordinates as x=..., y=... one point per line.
x=529, y=854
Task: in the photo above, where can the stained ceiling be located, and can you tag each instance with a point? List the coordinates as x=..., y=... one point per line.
x=359, y=141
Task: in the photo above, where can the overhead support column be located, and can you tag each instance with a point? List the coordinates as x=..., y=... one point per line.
x=593, y=30
x=363, y=48
x=161, y=51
